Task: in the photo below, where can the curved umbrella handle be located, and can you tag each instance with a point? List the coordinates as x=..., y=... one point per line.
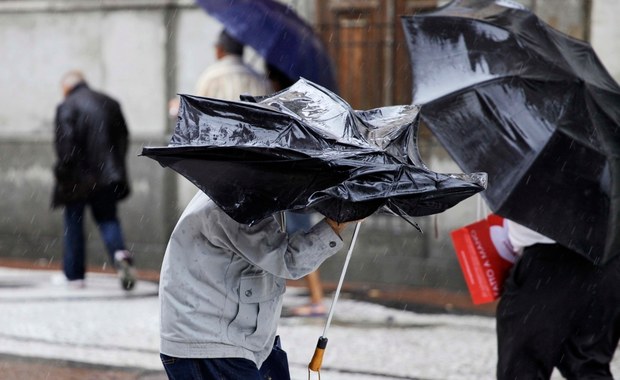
x=317, y=358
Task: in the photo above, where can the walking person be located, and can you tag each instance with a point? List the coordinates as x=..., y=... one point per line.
x=221, y=289
x=558, y=310
x=229, y=77
x=91, y=141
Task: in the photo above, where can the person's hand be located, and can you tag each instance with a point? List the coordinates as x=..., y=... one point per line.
x=337, y=227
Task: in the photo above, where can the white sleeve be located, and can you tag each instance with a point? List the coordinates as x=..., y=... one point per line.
x=521, y=236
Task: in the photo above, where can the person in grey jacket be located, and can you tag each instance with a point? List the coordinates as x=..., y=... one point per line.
x=221, y=289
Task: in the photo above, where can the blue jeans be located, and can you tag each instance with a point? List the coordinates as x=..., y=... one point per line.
x=103, y=208
x=210, y=369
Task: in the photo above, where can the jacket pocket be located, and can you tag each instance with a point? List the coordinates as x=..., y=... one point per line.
x=259, y=305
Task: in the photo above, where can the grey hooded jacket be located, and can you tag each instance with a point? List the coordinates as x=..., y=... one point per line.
x=222, y=282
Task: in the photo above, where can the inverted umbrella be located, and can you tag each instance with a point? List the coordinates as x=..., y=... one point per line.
x=305, y=148
x=278, y=34
x=507, y=94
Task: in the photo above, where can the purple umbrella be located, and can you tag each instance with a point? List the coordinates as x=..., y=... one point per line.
x=278, y=34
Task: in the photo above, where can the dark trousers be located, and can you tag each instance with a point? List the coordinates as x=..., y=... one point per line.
x=558, y=310
x=210, y=369
x=103, y=208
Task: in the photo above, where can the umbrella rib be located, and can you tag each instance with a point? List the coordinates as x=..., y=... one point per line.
x=479, y=84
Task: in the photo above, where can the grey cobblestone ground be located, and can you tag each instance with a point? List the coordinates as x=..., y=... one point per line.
x=101, y=332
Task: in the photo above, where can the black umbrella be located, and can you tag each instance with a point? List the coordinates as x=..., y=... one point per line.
x=507, y=94
x=303, y=148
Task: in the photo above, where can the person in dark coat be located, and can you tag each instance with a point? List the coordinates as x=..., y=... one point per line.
x=91, y=143
x=558, y=310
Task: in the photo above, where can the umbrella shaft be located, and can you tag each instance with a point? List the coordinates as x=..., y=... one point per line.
x=344, y=271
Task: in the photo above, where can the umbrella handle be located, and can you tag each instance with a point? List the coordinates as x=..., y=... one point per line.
x=317, y=358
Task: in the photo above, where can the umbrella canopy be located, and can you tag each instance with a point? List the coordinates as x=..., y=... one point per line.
x=305, y=148
x=507, y=94
x=278, y=34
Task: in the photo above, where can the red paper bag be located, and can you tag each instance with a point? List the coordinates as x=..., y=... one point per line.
x=485, y=255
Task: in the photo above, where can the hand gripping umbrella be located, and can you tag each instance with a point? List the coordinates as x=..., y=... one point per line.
x=278, y=34
x=506, y=94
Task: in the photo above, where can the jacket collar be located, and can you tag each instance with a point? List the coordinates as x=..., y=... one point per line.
x=77, y=87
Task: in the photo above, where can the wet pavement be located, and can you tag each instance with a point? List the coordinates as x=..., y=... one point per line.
x=50, y=331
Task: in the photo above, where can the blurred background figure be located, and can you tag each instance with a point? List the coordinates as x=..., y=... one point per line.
x=91, y=146
x=227, y=78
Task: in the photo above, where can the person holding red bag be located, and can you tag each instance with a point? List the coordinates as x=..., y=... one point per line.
x=558, y=309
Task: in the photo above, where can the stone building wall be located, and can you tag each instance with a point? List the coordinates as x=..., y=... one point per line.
x=143, y=52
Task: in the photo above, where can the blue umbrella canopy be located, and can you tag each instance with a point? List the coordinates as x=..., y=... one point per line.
x=534, y=108
x=278, y=34
x=305, y=148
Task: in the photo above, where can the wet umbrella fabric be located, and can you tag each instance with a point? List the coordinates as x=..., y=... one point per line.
x=305, y=148
x=278, y=34
x=535, y=109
